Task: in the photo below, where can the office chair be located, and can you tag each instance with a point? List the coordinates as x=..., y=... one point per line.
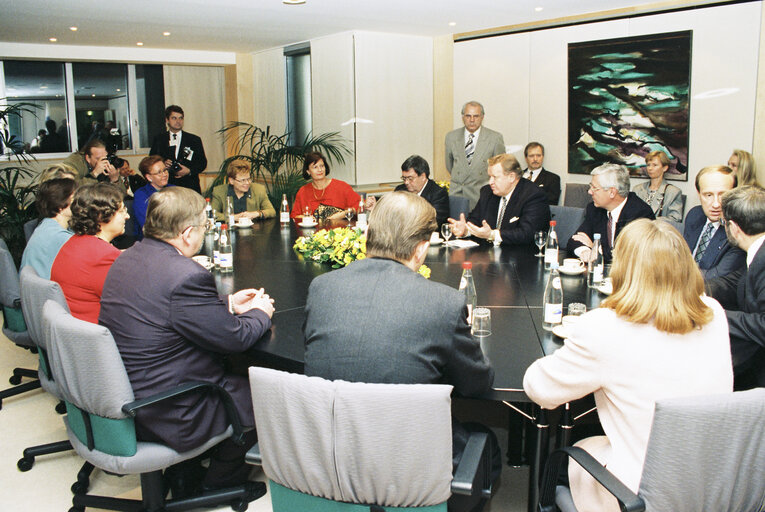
x=100, y=418
x=341, y=446
x=457, y=205
x=567, y=220
x=704, y=453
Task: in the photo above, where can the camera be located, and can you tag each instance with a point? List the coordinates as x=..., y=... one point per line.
x=116, y=161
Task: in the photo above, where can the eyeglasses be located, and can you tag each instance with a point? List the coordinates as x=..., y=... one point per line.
x=243, y=180
x=123, y=209
x=408, y=179
x=160, y=173
x=595, y=189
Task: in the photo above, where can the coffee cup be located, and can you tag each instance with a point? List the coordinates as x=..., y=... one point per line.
x=244, y=221
x=573, y=264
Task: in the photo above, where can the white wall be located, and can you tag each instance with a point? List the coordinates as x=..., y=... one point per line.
x=270, y=85
x=522, y=81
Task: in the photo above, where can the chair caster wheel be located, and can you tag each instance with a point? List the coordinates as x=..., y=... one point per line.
x=25, y=464
x=61, y=408
x=15, y=380
x=79, y=488
x=239, y=505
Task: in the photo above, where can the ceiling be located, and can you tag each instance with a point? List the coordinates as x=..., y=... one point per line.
x=249, y=25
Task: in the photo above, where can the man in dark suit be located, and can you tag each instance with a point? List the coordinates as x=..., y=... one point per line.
x=467, y=151
x=742, y=292
x=415, y=173
x=713, y=253
x=510, y=208
x=172, y=327
x=183, y=148
x=378, y=321
x=613, y=207
x=549, y=182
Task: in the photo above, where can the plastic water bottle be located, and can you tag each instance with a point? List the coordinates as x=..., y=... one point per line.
x=225, y=251
x=284, y=211
x=553, y=304
x=467, y=286
x=551, y=249
x=595, y=264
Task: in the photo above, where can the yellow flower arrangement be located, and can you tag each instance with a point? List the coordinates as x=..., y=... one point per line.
x=338, y=247
x=443, y=184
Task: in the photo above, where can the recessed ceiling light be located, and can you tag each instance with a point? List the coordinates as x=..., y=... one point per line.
x=538, y=9
x=293, y=2
x=43, y=87
x=452, y=23
x=93, y=95
x=119, y=90
x=52, y=39
x=73, y=29
x=165, y=33
x=139, y=43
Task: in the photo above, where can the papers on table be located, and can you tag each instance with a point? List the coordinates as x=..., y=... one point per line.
x=462, y=244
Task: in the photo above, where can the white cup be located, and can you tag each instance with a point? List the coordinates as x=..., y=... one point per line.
x=573, y=264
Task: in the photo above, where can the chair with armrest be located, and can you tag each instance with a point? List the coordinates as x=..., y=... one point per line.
x=567, y=220
x=100, y=418
x=351, y=447
x=14, y=327
x=577, y=195
x=704, y=453
x=457, y=205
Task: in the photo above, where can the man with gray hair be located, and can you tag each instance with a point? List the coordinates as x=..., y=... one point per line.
x=171, y=327
x=378, y=321
x=742, y=292
x=467, y=151
x=613, y=207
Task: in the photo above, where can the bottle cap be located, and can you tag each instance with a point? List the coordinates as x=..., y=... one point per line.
x=207, y=199
x=224, y=226
x=467, y=265
x=553, y=223
x=596, y=236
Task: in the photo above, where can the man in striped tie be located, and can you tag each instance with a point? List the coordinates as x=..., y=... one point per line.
x=467, y=152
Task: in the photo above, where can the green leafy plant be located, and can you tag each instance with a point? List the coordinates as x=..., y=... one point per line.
x=273, y=160
x=16, y=200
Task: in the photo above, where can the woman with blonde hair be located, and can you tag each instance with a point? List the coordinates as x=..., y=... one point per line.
x=742, y=163
x=656, y=337
x=664, y=199
x=57, y=171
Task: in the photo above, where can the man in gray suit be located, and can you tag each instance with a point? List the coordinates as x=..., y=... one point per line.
x=467, y=151
x=379, y=321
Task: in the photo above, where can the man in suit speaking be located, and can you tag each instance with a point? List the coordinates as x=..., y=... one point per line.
x=415, y=173
x=183, y=151
x=379, y=321
x=510, y=210
x=467, y=151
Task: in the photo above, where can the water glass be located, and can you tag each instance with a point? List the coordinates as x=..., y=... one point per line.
x=481, y=322
x=576, y=309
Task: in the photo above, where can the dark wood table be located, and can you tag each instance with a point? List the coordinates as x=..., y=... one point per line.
x=509, y=281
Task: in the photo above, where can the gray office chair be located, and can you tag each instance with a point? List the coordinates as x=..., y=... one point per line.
x=29, y=228
x=100, y=418
x=457, y=205
x=704, y=453
x=576, y=195
x=342, y=446
x=14, y=327
x=567, y=219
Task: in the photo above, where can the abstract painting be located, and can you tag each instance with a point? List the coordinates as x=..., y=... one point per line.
x=627, y=98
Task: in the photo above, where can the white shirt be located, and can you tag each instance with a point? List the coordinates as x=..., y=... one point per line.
x=175, y=140
x=497, y=236
x=476, y=134
x=583, y=252
x=752, y=251
x=532, y=175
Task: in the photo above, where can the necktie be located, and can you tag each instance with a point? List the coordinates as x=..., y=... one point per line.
x=470, y=148
x=501, y=212
x=706, y=236
x=609, y=228
x=175, y=136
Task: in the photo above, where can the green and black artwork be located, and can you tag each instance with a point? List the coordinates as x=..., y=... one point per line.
x=627, y=98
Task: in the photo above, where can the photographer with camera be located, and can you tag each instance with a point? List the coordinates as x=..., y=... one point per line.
x=183, y=152
x=92, y=160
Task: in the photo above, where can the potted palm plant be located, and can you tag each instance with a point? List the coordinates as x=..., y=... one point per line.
x=273, y=160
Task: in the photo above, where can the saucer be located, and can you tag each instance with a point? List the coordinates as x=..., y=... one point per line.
x=307, y=224
x=243, y=224
x=436, y=241
x=606, y=288
x=572, y=272
x=561, y=331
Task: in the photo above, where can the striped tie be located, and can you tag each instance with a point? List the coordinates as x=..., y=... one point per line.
x=706, y=237
x=470, y=148
x=501, y=212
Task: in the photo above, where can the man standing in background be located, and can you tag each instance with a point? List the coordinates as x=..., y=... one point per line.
x=548, y=181
x=183, y=152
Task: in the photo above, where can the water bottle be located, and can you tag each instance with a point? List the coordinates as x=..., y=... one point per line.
x=230, y=210
x=225, y=252
x=284, y=211
x=361, y=218
x=467, y=286
x=553, y=304
x=551, y=249
x=216, y=245
x=209, y=214
x=595, y=264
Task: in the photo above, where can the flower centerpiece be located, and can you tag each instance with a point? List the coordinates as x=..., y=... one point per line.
x=444, y=184
x=338, y=247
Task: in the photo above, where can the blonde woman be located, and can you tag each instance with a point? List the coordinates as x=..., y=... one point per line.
x=664, y=199
x=742, y=163
x=655, y=337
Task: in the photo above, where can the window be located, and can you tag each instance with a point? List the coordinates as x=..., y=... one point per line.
x=122, y=104
x=299, y=124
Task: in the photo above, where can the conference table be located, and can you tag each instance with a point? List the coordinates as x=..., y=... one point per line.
x=509, y=281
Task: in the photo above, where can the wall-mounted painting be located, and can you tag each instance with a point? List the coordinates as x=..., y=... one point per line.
x=627, y=98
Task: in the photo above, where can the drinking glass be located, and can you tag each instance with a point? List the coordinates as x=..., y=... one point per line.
x=540, y=237
x=446, y=231
x=349, y=215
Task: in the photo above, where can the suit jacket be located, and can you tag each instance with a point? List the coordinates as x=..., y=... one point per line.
x=467, y=179
x=720, y=257
x=257, y=200
x=526, y=213
x=436, y=196
x=742, y=294
x=596, y=220
x=549, y=182
x=196, y=160
x=377, y=321
x=171, y=328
